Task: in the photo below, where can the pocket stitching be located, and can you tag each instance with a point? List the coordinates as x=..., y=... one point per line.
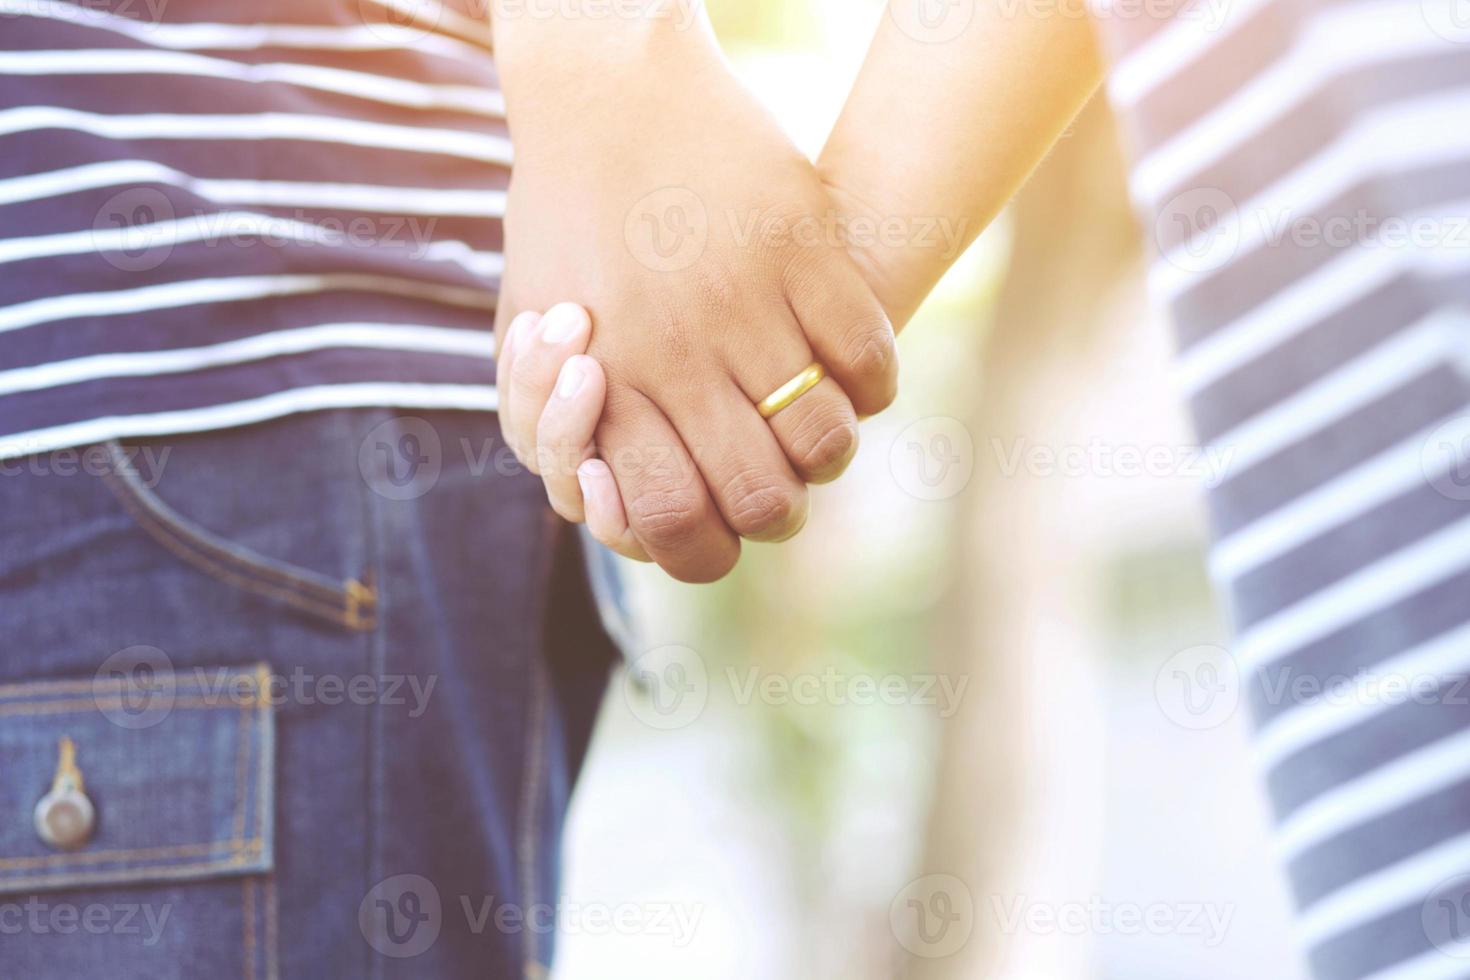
x=69, y=707
x=105, y=876
x=167, y=520
x=352, y=604
x=240, y=849
x=134, y=853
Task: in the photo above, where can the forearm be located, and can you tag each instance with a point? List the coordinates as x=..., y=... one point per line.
x=948, y=132
x=569, y=72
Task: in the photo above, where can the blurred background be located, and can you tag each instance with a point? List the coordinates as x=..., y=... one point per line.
x=968, y=724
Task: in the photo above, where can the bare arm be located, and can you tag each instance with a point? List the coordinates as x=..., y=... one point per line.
x=948, y=118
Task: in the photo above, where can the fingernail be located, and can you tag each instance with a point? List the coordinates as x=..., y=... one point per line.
x=589, y=474
x=573, y=376
x=562, y=322
x=519, y=327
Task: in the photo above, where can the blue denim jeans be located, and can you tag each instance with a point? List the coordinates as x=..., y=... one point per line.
x=327, y=682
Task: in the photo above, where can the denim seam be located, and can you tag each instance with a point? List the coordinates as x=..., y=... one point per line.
x=261, y=673
x=134, y=853
x=122, y=470
x=376, y=555
x=531, y=790
x=340, y=614
x=60, y=687
x=247, y=900
x=534, y=779
x=266, y=775
x=272, y=940
x=345, y=608
x=242, y=762
x=94, y=704
x=107, y=877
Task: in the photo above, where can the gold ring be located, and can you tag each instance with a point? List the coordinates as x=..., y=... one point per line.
x=782, y=397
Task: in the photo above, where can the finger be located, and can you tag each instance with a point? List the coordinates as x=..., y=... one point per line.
x=664, y=497
x=564, y=436
x=818, y=432
x=505, y=314
x=504, y=358
x=846, y=327
x=606, y=518
x=564, y=330
x=744, y=467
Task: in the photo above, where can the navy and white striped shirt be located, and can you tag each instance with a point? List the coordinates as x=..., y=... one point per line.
x=1305, y=168
x=216, y=213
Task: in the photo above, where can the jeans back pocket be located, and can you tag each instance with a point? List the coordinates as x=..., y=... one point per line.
x=136, y=822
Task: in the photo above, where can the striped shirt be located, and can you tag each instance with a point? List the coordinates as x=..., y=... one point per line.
x=1305, y=168
x=214, y=213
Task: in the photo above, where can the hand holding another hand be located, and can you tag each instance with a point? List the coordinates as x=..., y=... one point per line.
x=670, y=213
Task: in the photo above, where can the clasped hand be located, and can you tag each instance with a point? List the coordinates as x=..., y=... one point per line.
x=689, y=234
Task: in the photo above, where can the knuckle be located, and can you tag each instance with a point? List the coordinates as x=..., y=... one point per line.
x=756, y=508
x=669, y=343
x=717, y=292
x=824, y=443
x=665, y=520
x=870, y=352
